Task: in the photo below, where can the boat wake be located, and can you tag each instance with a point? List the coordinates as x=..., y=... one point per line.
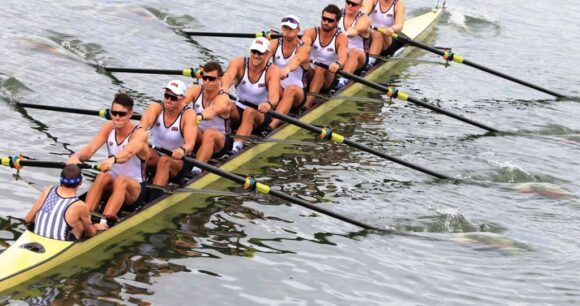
x=479, y=22
x=69, y=47
x=177, y=22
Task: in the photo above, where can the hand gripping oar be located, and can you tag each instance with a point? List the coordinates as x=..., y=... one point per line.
x=328, y=134
x=448, y=55
x=266, y=34
x=18, y=162
x=395, y=93
x=103, y=112
x=251, y=184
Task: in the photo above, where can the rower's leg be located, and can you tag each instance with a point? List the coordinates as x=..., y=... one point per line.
x=291, y=97
x=162, y=171
x=377, y=43
x=103, y=182
x=213, y=141
x=355, y=61
x=316, y=84
x=249, y=118
x=125, y=191
x=387, y=42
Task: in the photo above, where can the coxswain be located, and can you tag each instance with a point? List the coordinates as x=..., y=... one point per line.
x=328, y=46
x=59, y=214
x=257, y=82
x=172, y=126
x=123, y=172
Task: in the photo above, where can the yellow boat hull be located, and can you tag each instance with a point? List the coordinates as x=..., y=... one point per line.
x=20, y=266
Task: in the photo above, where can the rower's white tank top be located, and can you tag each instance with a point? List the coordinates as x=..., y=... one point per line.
x=382, y=19
x=355, y=42
x=254, y=93
x=296, y=77
x=324, y=54
x=134, y=167
x=219, y=123
x=168, y=137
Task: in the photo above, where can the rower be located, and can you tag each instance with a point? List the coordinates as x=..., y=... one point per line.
x=389, y=15
x=292, y=56
x=357, y=27
x=172, y=126
x=213, y=107
x=123, y=171
x=257, y=82
x=328, y=46
x=59, y=214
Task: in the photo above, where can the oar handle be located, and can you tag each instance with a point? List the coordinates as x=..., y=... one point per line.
x=103, y=113
x=251, y=184
x=448, y=55
x=18, y=162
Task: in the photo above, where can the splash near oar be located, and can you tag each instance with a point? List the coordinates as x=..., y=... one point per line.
x=448, y=55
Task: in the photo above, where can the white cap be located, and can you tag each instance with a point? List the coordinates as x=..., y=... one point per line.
x=260, y=44
x=176, y=86
x=291, y=21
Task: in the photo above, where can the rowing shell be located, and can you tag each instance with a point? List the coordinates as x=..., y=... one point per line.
x=33, y=257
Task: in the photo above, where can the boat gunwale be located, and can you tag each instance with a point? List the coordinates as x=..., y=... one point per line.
x=155, y=208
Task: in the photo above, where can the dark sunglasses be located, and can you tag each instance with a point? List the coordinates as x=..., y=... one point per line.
x=118, y=113
x=171, y=97
x=208, y=78
x=256, y=52
x=288, y=19
x=352, y=3
x=329, y=20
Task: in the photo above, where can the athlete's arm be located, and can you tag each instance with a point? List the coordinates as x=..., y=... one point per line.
x=308, y=37
x=273, y=46
x=137, y=143
x=85, y=218
x=191, y=94
x=89, y=150
x=400, y=11
x=273, y=85
x=341, y=45
x=368, y=6
x=32, y=213
x=301, y=58
x=189, y=129
x=220, y=107
x=233, y=74
x=150, y=115
x=363, y=26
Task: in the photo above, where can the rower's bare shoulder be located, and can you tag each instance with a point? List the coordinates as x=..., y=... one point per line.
x=309, y=35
